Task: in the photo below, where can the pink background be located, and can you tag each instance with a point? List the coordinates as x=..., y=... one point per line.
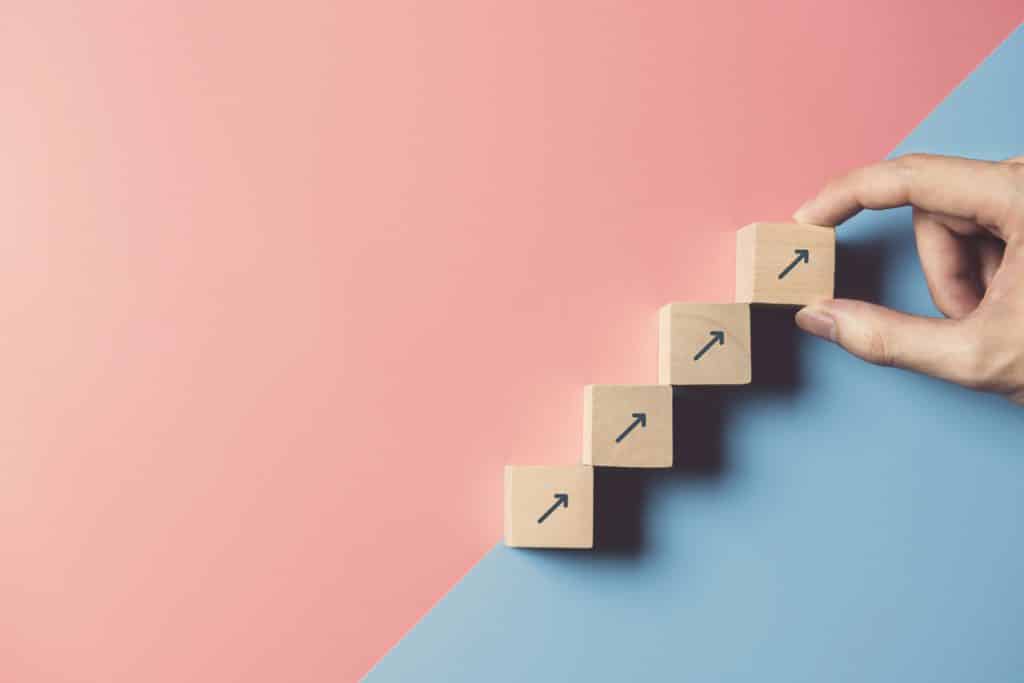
x=283, y=288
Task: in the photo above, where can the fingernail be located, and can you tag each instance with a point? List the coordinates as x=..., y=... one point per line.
x=818, y=322
x=798, y=214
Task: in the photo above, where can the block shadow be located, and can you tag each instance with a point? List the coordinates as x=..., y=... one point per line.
x=700, y=419
x=702, y=415
x=859, y=267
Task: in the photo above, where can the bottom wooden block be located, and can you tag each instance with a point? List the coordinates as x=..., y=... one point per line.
x=549, y=506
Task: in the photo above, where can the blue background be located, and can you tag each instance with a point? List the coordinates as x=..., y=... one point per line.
x=836, y=521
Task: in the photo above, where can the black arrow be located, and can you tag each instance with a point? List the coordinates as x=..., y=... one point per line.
x=641, y=419
x=801, y=255
x=560, y=499
x=717, y=337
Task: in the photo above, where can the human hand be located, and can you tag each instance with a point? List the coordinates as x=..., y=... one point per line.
x=969, y=225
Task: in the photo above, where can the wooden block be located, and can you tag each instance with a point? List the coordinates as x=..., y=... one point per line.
x=549, y=507
x=627, y=425
x=704, y=344
x=785, y=263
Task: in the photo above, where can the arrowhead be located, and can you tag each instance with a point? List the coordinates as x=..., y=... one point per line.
x=563, y=499
x=642, y=418
x=804, y=254
x=719, y=336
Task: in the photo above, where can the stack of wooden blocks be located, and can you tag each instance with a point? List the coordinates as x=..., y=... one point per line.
x=698, y=344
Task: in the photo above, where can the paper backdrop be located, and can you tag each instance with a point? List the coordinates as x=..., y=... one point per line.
x=285, y=286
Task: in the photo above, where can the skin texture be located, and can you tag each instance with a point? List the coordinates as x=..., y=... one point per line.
x=969, y=226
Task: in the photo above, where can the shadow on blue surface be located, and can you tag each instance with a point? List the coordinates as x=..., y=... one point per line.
x=833, y=522
x=701, y=416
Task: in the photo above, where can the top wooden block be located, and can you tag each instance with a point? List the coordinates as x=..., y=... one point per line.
x=785, y=263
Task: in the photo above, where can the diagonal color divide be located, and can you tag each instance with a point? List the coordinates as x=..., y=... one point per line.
x=735, y=580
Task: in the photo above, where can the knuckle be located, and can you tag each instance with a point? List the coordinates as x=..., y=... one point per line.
x=1005, y=371
x=905, y=168
x=911, y=162
x=1015, y=168
x=991, y=364
x=911, y=158
x=1012, y=218
x=837, y=183
x=977, y=367
x=878, y=349
x=1015, y=173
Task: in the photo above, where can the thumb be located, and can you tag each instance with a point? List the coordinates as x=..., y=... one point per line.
x=934, y=346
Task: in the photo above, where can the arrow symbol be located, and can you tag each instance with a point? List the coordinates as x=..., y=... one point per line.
x=641, y=419
x=717, y=337
x=560, y=499
x=801, y=255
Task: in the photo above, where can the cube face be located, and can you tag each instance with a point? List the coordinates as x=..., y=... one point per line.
x=785, y=263
x=704, y=344
x=627, y=425
x=549, y=506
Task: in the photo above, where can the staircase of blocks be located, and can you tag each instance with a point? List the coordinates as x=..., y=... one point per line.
x=699, y=344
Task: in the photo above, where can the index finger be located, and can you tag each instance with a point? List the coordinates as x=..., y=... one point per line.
x=984, y=192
